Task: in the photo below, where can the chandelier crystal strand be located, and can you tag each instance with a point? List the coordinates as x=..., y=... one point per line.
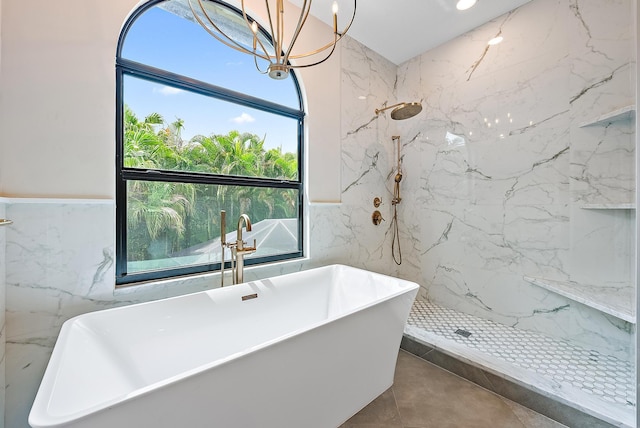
x=279, y=65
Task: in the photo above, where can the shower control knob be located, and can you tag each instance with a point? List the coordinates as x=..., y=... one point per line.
x=376, y=202
x=376, y=217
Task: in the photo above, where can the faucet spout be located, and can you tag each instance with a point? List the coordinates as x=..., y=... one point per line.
x=243, y=218
x=240, y=250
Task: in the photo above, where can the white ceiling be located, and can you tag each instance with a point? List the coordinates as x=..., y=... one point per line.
x=402, y=29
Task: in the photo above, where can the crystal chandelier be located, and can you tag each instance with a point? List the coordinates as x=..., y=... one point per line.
x=273, y=48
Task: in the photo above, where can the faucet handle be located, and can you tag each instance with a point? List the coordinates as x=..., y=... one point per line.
x=250, y=249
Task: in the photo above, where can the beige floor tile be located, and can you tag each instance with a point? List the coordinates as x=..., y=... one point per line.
x=382, y=412
x=426, y=396
x=532, y=419
x=429, y=396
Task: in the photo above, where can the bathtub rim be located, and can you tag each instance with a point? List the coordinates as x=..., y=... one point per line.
x=42, y=417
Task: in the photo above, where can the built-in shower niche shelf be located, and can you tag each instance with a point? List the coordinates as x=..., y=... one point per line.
x=612, y=300
x=608, y=206
x=624, y=113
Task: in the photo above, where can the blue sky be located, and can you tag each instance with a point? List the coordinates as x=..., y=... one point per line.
x=166, y=41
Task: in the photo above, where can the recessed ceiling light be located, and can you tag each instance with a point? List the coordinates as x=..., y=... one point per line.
x=465, y=4
x=495, y=40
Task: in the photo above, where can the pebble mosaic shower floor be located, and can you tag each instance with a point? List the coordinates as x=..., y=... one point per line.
x=605, y=377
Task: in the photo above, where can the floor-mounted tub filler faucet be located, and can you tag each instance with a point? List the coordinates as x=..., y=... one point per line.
x=238, y=248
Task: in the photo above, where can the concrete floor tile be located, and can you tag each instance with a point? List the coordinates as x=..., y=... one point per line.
x=426, y=396
x=531, y=419
x=381, y=412
x=429, y=396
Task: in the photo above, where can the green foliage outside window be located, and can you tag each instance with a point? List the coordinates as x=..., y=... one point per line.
x=166, y=219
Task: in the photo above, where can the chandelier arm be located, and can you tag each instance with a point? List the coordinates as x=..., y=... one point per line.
x=338, y=37
x=266, y=55
x=229, y=41
x=318, y=62
x=255, y=61
x=280, y=32
x=301, y=21
x=273, y=33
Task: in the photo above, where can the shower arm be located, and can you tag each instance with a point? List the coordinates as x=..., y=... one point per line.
x=380, y=110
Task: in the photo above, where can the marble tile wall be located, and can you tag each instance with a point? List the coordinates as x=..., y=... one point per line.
x=60, y=253
x=2, y=313
x=498, y=168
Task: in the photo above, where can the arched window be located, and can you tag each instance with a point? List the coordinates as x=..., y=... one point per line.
x=199, y=130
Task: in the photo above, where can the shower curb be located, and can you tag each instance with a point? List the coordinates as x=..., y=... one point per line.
x=518, y=393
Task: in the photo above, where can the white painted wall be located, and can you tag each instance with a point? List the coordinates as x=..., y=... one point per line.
x=57, y=110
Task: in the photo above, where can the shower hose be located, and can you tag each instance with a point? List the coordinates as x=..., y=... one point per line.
x=395, y=233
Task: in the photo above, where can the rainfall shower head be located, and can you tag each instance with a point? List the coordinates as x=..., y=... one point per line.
x=403, y=110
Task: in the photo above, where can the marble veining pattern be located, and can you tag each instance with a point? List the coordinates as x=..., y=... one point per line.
x=616, y=301
x=600, y=384
x=498, y=168
x=3, y=331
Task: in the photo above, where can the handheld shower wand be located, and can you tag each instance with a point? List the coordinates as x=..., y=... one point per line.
x=395, y=240
x=398, y=178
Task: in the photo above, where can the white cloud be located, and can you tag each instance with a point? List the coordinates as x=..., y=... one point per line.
x=166, y=90
x=243, y=118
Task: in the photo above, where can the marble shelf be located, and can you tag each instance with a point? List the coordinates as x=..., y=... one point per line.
x=623, y=113
x=615, y=301
x=619, y=206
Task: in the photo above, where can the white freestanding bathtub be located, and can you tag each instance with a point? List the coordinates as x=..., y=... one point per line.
x=309, y=349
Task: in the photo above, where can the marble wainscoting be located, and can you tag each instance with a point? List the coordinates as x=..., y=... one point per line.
x=3, y=330
x=497, y=167
x=60, y=263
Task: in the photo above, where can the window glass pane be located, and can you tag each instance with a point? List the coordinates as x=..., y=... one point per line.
x=171, y=129
x=167, y=37
x=178, y=224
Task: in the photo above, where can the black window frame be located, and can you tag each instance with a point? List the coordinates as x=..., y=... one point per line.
x=126, y=67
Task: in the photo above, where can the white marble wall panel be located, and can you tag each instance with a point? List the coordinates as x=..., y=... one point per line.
x=602, y=62
x=603, y=153
x=368, y=155
x=2, y=313
x=602, y=241
x=499, y=164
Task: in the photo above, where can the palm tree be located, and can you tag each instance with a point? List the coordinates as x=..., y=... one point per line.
x=174, y=216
